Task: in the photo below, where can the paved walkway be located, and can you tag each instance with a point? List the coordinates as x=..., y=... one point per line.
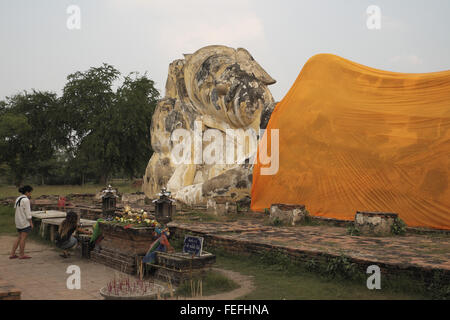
x=44, y=276
x=422, y=251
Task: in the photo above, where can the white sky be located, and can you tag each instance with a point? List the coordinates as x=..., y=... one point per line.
x=39, y=51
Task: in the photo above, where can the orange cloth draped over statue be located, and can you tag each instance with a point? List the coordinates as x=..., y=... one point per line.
x=353, y=138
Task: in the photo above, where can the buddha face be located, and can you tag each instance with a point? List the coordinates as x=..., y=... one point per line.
x=228, y=84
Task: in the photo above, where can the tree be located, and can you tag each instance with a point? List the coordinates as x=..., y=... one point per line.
x=109, y=131
x=30, y=134
x=136, y=102
x=91, y=132
x=88, y=99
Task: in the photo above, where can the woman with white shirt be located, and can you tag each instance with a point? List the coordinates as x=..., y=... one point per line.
x=24, y=224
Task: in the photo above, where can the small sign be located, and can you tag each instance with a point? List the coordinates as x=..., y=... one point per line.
x=193, y=245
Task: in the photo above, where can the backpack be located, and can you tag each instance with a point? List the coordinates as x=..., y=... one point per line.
x=19, y=200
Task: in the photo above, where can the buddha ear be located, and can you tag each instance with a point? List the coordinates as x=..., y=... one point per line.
x=248, y=64
x=175, y=70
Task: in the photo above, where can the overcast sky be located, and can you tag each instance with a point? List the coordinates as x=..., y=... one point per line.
x=38, y=50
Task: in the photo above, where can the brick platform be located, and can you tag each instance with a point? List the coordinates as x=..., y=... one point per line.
x=120, y=246
x=419, y=256
x=115, y=259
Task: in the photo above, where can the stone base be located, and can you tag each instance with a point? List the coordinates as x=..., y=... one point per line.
x=289, y=214
x=221, y=206
x=133, y=198
x=375, y=223
x=179, y=267
x=177, y=278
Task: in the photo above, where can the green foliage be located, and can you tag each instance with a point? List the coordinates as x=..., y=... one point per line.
x=311, y=265
x=276, y=222
x=353, y=230
x=277, y=260
x=31, y=133
x=11, y=191
x=439, y=287
x=91, y=133
x=110, y=130
x=399, y=227
x=136, y=102
x=309, y=221
x=342, y=267
x=302, y=284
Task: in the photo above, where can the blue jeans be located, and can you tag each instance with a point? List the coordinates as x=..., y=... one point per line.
x=72, y=242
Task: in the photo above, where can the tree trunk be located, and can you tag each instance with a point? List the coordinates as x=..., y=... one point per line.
x=18, y=181
x=103, y=180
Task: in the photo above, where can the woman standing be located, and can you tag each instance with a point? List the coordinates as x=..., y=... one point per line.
x=64, y=239
x=24, y=223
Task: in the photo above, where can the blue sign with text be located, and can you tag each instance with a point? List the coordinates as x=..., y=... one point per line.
x=193, y=245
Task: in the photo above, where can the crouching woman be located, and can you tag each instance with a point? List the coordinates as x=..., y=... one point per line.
x=65, y=239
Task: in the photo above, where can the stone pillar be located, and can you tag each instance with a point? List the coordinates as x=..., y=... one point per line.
x=289, y=214
x=375, y=223
x=133, y=198
x=221, y=206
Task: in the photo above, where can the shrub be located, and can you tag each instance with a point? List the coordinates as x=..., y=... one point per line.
x=399, y=227
x=352, y=230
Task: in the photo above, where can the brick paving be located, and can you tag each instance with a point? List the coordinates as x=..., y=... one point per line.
x=422, y=251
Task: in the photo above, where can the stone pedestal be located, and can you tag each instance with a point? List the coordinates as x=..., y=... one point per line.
x=133, y=198
x=375, y=223
x=178, y=267
x=289, y=214
x=221, y=206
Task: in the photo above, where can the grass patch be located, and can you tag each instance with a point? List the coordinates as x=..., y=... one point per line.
x=7, y=220
x=283, y=280
x=123, y=187
x=276, y=276
x=213, y=283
